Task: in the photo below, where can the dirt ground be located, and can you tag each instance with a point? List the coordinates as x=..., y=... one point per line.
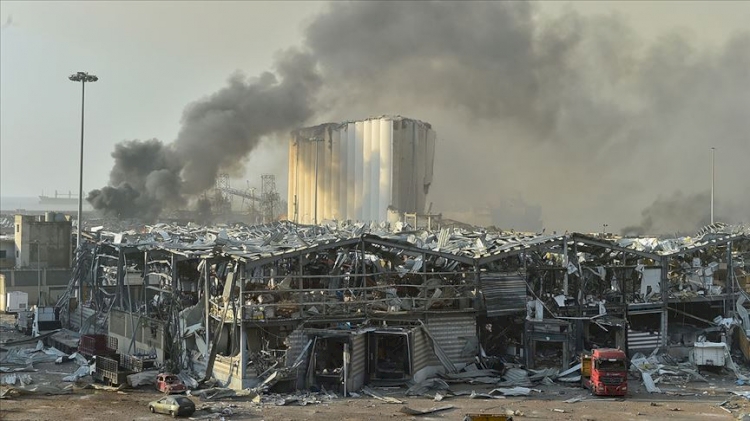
x=693, y=401
x=132, y=405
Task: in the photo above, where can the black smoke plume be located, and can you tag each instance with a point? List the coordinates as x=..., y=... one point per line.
x=576, y=114
x=218, y=133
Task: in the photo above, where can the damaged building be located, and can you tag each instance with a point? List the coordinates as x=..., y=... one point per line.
x=354, y=290
x=375, y=169
x=343, y=305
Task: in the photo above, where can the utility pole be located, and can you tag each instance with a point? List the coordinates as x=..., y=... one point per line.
x=713, y=176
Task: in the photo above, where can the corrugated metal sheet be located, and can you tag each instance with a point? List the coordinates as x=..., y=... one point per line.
x=452, y=331
x=296, y=342
x=422, y=354
x=358, y=366
x=744, y=343
x=504, y=293
x=644, y=342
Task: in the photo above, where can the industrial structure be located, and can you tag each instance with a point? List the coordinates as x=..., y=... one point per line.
x=360, y=170
x=343, y=305
x=353, y=290
x=262, y=209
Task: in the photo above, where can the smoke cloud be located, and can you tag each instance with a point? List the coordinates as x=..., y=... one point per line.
x=218, y=133
x=575, y=114
x=675, y=214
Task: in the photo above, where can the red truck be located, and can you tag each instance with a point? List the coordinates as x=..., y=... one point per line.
x=605, y=372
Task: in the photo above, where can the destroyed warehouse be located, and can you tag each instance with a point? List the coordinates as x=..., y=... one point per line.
x=362, y=286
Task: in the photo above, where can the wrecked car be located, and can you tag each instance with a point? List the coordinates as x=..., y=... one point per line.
x=169, y=384
x=173, y=405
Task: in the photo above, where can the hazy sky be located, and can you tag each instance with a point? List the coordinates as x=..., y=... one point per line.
x=154, y=58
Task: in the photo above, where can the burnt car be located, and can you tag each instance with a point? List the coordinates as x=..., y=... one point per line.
x=173, y=405
x=169, y=383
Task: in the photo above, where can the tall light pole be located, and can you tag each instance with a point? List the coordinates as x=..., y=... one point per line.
x=713, y=175
x=82, y=77
x=38, y=273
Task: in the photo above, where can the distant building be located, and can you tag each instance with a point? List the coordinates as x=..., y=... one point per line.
x=7, y=252
x=43, y=241
x=37, y=259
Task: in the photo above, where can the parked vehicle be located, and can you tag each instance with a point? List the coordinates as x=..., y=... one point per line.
x=45, y=319
x=172, y=405
x=605, y=372
x=169, y=383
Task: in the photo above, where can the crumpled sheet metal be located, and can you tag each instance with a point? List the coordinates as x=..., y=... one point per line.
x=221, y=393
x=426, y=386
x=142, y=378
x=513, y=391
x=411, y=411
x=515, y=377
x=82, y=372
x=31, y=356
x=12, y=379
x=35, y=389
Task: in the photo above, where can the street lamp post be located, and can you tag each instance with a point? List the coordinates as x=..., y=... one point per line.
x=82, y=77
x=38, y=273
x=713, y=174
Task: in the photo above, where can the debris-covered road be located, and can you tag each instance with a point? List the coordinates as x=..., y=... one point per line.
x=549, y=405
x=40, y=393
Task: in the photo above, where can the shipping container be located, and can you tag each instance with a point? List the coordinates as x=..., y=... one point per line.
x=358, y=170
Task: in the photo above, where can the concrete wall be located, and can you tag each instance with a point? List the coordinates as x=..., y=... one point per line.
x=149, y=333
x=42, y=243
x=54, y=282
x=7, y=253
x=228, y=373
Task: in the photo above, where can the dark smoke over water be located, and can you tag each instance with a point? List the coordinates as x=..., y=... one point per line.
x=575, y=114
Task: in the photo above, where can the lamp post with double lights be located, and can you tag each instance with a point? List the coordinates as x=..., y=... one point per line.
x=82, y=77
x=713, y=176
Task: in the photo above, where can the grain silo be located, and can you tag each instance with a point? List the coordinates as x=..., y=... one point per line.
x=359, y=170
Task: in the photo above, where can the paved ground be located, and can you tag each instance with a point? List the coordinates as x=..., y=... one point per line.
x=694, y=401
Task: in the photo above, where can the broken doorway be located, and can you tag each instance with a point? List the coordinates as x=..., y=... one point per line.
x=337, y=361
x=389, y=356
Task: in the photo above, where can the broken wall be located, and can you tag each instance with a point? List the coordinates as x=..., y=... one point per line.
x=144, y=334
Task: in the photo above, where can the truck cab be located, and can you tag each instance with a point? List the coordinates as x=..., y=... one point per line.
x=605, y=372
x=45, y=319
